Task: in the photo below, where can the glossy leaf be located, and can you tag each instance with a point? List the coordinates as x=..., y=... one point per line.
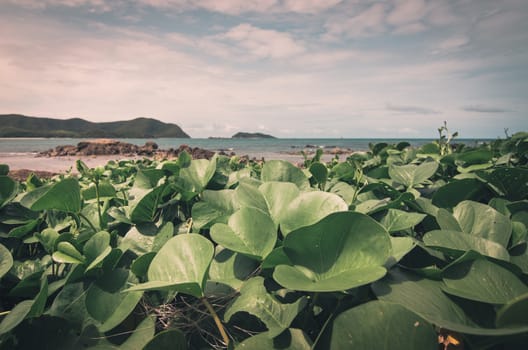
x=7, y=189
x=411, y=175
x=278, y=196
x=308, y=208
x=484, y=281
x=483, y=221
x=459, y=242
x=398, y=220
x=342, y=251
x=283, y=171
x=67, y=253
x=64, y=195
x=514, y=312
x=230, y=268
x=181, y=264
x=249, y=231
x=425, y=298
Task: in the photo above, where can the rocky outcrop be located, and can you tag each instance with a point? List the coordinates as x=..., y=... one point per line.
x=105, y=147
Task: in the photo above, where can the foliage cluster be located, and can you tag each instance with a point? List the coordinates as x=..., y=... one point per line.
x=381, y=251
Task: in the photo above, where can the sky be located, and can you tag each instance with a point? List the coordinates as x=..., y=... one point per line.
x=290, y=68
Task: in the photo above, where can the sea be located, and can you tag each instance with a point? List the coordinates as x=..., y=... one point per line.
x=267, y=148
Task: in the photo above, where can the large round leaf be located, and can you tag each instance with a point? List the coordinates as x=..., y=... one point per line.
x=181, y=264
x=425, y=298
x=278, y=196
x=380, y=325
x=283, y=171
x=411, y=175
x=64, y=195
x=456, y=191
x=483, y=221
x=6, y=260
x=342, y=251
x=249, y=231
x=308, y=208
x=456, y=243
x=482, y=280
x=229, y=269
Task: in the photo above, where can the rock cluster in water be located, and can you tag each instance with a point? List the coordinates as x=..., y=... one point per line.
x=107, y=147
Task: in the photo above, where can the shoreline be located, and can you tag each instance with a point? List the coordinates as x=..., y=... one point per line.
x=61, y=164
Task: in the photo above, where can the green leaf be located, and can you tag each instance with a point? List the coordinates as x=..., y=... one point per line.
x=514, y=312
x=320, y=172
x=249, y=196
x=398, y=220
x=283, y=171
x=47, y=238
x=106, y=191
x=214, y=206
x=291, y=339
x=457, y=191
x=70, y=304
x=483, y=221
x=196, y=176
x=68, y=254
x=425, y=298
x=39, y=302
x=308, y=208
x=229, y=268
x=411, y=175
x=255, y=300
x=64, y=195
x=145, y=205
x=382, y=326
x=173, y=339
x=249, y=231
x=401, y=246
x=342, y=251
x=8, y=189
x=457, y=243
x=141, y=336
x=97, y=248
x=278, y=196
x=111, y=308
x=181, y=264
x=4, y=169
x=6, y=260
x=511, y=182
x=482, y=280
x=15, y=316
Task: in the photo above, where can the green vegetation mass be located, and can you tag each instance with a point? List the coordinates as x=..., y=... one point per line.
x=395, y=248
x=15, y=125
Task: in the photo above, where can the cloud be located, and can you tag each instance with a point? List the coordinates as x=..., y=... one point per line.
x=484, y=109
x=407, y=11
x=410, y=109
x=368, y=22
x=93, y=5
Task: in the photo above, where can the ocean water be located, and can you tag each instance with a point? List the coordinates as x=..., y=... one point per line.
x=251, y=147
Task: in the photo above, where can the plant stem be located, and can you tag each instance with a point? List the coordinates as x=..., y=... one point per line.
x=219, y=324
x=88, y=221
x=98, y=204
x=325, y=325
x=3, y=313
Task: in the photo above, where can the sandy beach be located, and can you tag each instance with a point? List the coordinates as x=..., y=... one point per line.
x=62, y=164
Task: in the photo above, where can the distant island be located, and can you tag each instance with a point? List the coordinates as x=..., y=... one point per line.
x=16, y=125
x=251, y=135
